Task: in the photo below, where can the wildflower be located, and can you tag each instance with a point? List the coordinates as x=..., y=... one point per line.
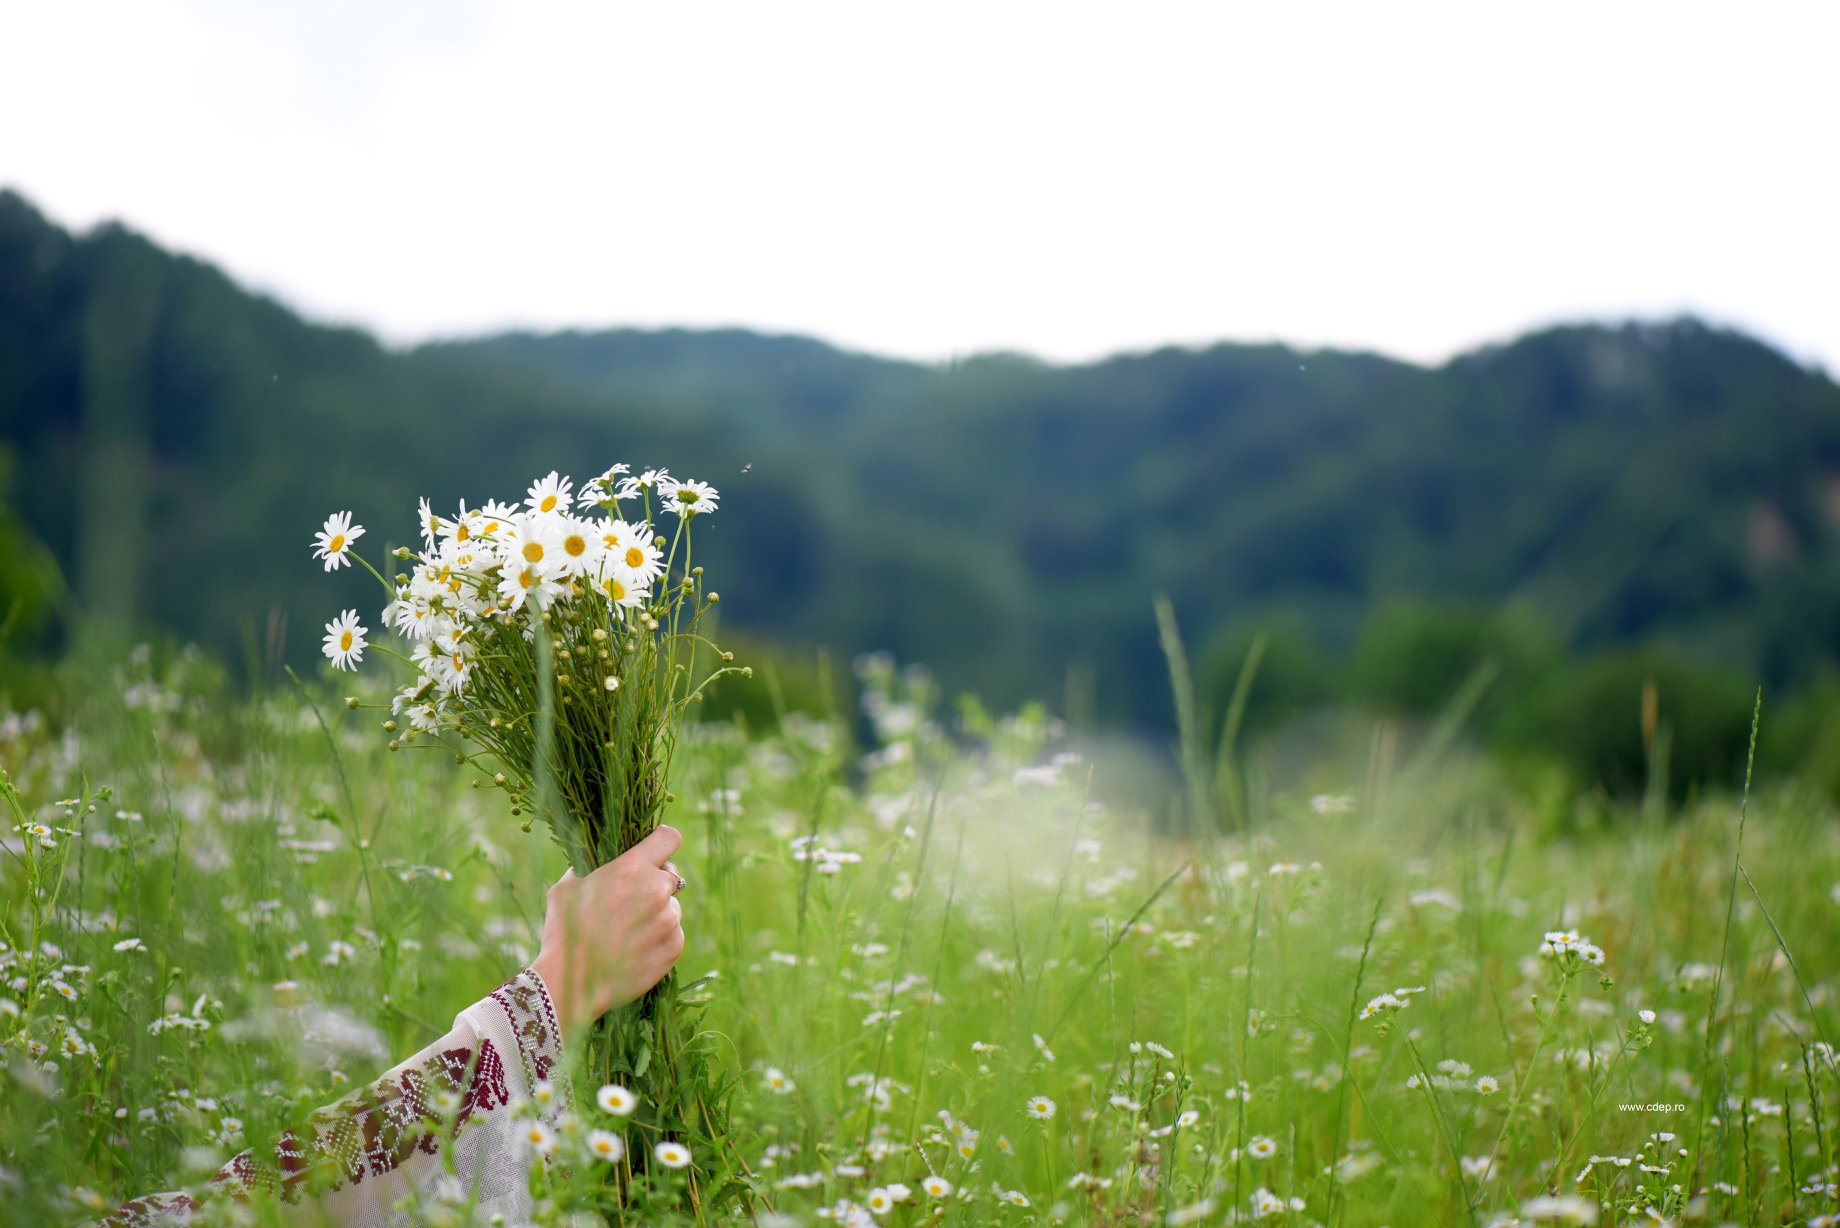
x=1261, y=1148
x=778, y=1082
x=633, y=549
x=130, y=944
x=549, y=494
x=1385, y=1003
x=688, y=498
x=937, y=1187
x=527, y=583
x=578, y=548
x=333, y=543
x=672, y=1155
x=1567, y=1207
x=1646, y=1016
x=1041, y=1046
x=606, y=1145
x=598, y=490
x=1186, y=1118
x=616, y=1100
x=540, y=1137
x=1191, y=1214
x=1563, y=944
x=345, y=640
x=1487, y=1085
x=1040, y=1108
x=880, y=1202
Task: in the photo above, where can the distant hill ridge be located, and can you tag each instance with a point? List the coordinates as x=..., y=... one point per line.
x=1005, y=520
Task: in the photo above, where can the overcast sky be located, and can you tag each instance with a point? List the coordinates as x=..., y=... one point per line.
x=934, y=179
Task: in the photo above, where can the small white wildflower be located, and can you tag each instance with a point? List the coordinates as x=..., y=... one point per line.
x=616, y=1100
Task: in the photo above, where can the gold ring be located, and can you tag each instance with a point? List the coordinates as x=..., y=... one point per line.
x=681, y=884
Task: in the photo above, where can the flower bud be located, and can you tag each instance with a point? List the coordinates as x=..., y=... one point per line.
x=389, y=726
x=351, y=701
x=401, y=552
x=714, y=597
x=499, y=779
x=728, y=656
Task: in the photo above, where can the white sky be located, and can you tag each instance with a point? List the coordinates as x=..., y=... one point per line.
x=927, y=179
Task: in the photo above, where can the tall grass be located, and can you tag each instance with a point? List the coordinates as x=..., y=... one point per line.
x=923, y=937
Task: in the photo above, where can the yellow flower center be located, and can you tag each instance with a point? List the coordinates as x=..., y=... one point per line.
x=461, y=532
x=459, y=662
x=548, y=504
x=533, y=552
x=336, y=544
x=527, y=578
x=685, y=495
x=615, y=590
x=575, y=545
x=634, y=556
x=345, y=642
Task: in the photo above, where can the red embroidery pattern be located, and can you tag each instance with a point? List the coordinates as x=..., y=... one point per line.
x=374, y=1130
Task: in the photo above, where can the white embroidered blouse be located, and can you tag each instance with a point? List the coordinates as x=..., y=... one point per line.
x=355, y=1160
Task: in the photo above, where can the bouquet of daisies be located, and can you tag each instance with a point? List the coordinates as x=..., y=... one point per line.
x=558, y=645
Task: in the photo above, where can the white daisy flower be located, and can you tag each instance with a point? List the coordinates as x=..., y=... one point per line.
x=635, y=548
x=550, y=494
x=130, y=944
x=540, y=1137
x=496, y=520
x=1040, y=1108
x=623, y=592
x=333, y=543
x=578, y=547
x=672, y=1155
x=880, y=1203
x=688, y=498
x=431, y=525
x=606, y=1145
x=937, y=1187
x=1261, y=1148
x=616, y=1100
x=778, y=1082
x=604, y=488
x=1646, y=1016
x=527, y=584
x=533, y=541
x=344, y=645
x=1487, y=1086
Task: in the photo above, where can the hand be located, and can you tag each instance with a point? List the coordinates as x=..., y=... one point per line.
x=611, y=936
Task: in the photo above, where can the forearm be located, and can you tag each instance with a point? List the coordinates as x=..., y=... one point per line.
x=354, y=1160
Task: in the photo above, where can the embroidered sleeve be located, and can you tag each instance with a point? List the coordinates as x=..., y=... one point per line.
x=352, y=1162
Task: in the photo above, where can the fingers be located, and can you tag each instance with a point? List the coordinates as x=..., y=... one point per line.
x=658, y=847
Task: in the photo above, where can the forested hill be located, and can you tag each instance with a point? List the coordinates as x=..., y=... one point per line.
x=176, y=440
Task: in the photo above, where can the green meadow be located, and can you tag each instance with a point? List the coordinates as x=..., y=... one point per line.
x=950, y=973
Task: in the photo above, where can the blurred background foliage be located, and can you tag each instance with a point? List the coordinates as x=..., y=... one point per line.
x=1611, y=534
